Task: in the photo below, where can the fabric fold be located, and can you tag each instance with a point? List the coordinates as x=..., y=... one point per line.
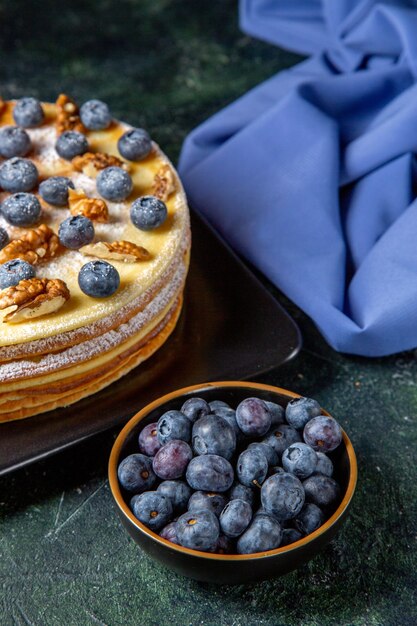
x=311, y=175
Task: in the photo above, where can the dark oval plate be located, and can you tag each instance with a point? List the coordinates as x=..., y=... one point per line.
x=231, y=327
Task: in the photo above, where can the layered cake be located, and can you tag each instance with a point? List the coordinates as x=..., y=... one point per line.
x=94, y=252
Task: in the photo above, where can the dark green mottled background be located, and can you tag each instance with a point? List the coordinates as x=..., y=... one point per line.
x=64, y=558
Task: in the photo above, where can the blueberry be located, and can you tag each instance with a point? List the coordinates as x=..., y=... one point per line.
x=309, y=518
x=12, y=272
x=263, y=534
x=224, y=545
x=323, y=433
x=210, y=472
x=198, y=530
x=275, y=469
x=262, y=511
x=235, y=518
x=178, y=492
x=28, y=112
x=299, y=459
x=277, y=413
x=148, y=440
x=218, y=404
x=4, y=238
x=251, y=467
x=281, y=437
x=169, y=533
x=114, y=183
x=241, y=492
x=21, y=209
x=135, y=144
x=210, y=501
x=95, y=115
x=321, y=490
x=76, y=231
x=324, y=464
x=54, y=190
x=300, y=410
x=14, y=142
x=282, y=495
x=230, y=416
x=173, y=425
x=194, y=408
x=171, y=461
x=152, y=509
x=71, y=144
x=290, y=535
x=253, y=417
x=18, y=175
x=135, y=473
x=98, y=279
x=148, y=212
x=267, y=451
x=213, y=435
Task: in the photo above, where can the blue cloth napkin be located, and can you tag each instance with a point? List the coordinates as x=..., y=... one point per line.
x=312, y=174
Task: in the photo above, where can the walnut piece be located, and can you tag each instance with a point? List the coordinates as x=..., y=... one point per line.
x=93, y=208
x=34, y=246
x=67, y=115
x=91, y=163
x=164, y=183
x=125, y=251
x=31, y=298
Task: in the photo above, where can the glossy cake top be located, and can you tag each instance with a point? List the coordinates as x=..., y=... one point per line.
x=140, y=257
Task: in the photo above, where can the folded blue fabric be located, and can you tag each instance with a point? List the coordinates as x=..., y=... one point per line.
x=312, y=175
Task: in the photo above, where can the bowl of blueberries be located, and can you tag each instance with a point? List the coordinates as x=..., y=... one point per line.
x=232, y=482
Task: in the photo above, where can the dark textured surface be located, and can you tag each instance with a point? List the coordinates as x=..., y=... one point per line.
x=64, y=557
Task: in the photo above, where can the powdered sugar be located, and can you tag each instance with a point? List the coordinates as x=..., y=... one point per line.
x=43, y=141
x=99, y=345
x=53, y=343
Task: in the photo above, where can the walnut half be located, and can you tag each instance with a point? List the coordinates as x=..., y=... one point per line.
x=93, y=208
x=31, y=298
x=164, y=183
x=34, y=246
x=91, y=163
x=67, y=115
x=125, y=251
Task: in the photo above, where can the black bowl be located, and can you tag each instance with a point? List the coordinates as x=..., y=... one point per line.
x=226, y=568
